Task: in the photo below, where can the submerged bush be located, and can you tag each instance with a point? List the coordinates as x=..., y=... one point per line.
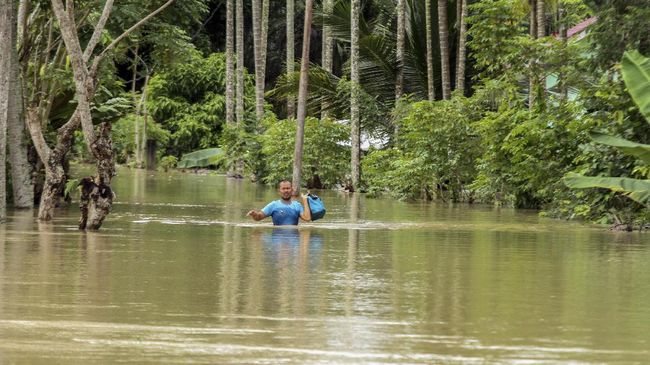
x=326, y=157
x=436, y=153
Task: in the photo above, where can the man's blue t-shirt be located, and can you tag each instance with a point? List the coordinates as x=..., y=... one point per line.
x=283, y=214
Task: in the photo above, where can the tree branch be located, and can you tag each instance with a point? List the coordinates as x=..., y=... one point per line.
x=99, y=28
x=98, y=58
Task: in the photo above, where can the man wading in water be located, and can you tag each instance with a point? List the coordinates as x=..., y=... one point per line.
x=284, y=211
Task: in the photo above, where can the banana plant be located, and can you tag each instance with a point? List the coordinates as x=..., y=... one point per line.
x=636, y=75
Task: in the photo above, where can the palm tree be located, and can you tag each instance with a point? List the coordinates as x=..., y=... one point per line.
x=430, y=89
x=462, y=38
x=401, y=15
x=260, y=32
x=291, y=103
x=532, y=31
x=230, y=60
x=6, y=44
x=444, y=48
x=21, y=177
x=240, y=61
x=302, y=98
x=354, y=107
x=541, y=23
x=327, y=48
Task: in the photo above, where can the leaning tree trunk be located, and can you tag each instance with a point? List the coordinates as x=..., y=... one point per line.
x=443, y=30
x=328, y=49
x=302, y=99
x=291, y=9
x=401, y=17
x=98, y=200
x=354, y=103
x=230, y=60
x=462, y=54
x=21, y=170
x=6, y=45
x=240, y=62
x=430, y=88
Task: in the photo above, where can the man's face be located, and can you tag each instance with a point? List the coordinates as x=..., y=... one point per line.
x=285, y=190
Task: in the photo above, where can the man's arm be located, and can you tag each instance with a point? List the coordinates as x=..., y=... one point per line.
x=256, y=215
x=306, y=212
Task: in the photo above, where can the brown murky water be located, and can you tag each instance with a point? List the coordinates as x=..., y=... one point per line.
x=178, y=275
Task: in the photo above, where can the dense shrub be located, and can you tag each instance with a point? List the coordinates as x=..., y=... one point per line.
x=326, y=157
x=436, y=153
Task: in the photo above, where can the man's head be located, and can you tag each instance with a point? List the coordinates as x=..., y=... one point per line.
x=285, y=189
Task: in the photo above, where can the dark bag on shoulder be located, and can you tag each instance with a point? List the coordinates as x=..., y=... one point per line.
x=316, y=206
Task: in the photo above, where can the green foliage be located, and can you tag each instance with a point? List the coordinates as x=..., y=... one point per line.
x=636, y=73
x=70, y=186
x=168, y=162
x=497, y=36
x=201, y=158
x=188, y=100
x=527, y=153
x=436, y=153
x=123, y=136
x=325, y=154
x=637, y=190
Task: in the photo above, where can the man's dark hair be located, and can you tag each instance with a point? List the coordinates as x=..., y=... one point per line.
x=284, y=180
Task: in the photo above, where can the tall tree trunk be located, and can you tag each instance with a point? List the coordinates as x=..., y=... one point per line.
x=97, y=196
x=291, y=44
x=328, y=49
x=145, y=117
x=443, y=30
x=302, y=99
x=401, y=19
x=541, y=33
x=354, y=107
x=462, y=54
x=430, y=88
x=532, y=31
x=230, y=60
x=6, y=46
x=21, y=170
x=260, y=32
x=240, y=61
x=541, y=19
x=563, y=38
x=136, y=121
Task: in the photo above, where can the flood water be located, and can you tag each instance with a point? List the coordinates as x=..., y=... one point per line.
x=179, y=275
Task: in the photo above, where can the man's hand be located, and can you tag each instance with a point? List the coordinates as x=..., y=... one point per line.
x=258, y=216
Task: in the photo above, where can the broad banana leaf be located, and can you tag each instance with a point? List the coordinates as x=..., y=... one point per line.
x=201, y=158
x=637, y=190
x=638, y=150
x=636, y=74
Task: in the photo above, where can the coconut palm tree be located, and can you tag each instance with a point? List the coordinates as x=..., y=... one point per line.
x=240, y=61
x=327, y=48
x=260, y=33
x=302, y=98
x=462, y=38
x=354, y=102
x=291, y=103
x=230, y=58
x=401, y=15
x=430, y=87
x=444, y=48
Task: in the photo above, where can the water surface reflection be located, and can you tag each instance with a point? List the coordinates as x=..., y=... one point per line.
x=178, y=275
